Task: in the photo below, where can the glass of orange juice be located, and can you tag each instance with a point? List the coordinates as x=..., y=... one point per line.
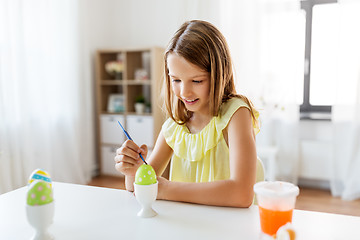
x=276, y=202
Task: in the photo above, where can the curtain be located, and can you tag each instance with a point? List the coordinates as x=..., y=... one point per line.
x=281, y=76
x=45, y=102
x=266, y=39
x=345, y=166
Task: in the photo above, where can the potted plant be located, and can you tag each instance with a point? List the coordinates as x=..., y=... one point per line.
x=140, y=104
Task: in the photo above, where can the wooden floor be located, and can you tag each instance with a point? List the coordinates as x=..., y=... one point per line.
x=309, y=199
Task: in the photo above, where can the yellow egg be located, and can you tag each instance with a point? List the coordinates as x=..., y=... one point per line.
x=286, y=232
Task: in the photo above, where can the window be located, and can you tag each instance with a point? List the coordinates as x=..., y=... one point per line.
x=320, y=63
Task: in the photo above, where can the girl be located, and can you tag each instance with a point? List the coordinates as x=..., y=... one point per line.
x=210, y=135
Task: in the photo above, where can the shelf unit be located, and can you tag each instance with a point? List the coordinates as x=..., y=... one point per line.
x=142, y=127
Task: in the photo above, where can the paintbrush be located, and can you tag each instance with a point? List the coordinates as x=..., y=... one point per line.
x=128, y=137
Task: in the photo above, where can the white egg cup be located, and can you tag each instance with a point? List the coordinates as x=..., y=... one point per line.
x=146, y=195
x=40, y=218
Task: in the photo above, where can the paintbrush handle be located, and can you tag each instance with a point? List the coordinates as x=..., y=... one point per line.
x=128, y=137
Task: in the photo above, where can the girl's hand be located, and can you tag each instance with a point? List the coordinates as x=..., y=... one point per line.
x=162, y=186
x=127, y=159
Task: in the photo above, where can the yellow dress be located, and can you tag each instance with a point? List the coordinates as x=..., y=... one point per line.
x=204, y=156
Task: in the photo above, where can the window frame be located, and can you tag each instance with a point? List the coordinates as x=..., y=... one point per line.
x=307, y=110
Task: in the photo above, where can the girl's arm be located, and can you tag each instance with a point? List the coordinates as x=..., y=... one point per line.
x=236, y=191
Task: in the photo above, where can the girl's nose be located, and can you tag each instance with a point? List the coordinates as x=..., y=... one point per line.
x=185, y=90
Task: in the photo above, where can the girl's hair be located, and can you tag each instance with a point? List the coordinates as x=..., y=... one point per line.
x=203, y=45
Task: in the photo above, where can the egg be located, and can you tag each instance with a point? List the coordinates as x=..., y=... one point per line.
x=286, y=232
x=39, y=174
x=39, y=193
x=145, y=175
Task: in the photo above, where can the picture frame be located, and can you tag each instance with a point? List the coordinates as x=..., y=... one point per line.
x=116, y=103
x=141, y=74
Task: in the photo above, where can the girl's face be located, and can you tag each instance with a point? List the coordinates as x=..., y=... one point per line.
x=189, y=83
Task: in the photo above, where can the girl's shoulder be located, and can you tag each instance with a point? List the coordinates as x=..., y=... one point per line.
x=228, y=109
x=231, y=105
x=169, y=124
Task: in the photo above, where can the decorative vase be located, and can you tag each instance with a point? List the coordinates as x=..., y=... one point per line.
x=139, y=108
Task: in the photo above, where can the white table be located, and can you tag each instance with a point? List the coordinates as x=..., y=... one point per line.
x=84, y=212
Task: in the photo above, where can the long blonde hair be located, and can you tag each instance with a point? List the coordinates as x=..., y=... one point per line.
x=203, y=45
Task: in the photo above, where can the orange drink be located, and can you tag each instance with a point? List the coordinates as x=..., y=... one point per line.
x=272, y=220
x=276, y=202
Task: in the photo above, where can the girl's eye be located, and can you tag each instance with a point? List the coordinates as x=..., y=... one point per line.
x=197, y=81
x=175, y=80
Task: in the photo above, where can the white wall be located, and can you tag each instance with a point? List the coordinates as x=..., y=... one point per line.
x=138, y=23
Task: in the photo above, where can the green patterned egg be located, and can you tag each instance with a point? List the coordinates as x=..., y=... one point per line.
x=39, y=193
x=145, y=175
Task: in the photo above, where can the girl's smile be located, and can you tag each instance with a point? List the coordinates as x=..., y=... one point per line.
x=189, y=83
x=190, y=102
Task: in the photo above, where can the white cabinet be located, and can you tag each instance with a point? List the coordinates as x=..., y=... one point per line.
x=108, y=164
x=111, y=132
x=141, y=129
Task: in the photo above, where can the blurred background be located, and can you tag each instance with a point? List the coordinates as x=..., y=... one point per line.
x=298, y=61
